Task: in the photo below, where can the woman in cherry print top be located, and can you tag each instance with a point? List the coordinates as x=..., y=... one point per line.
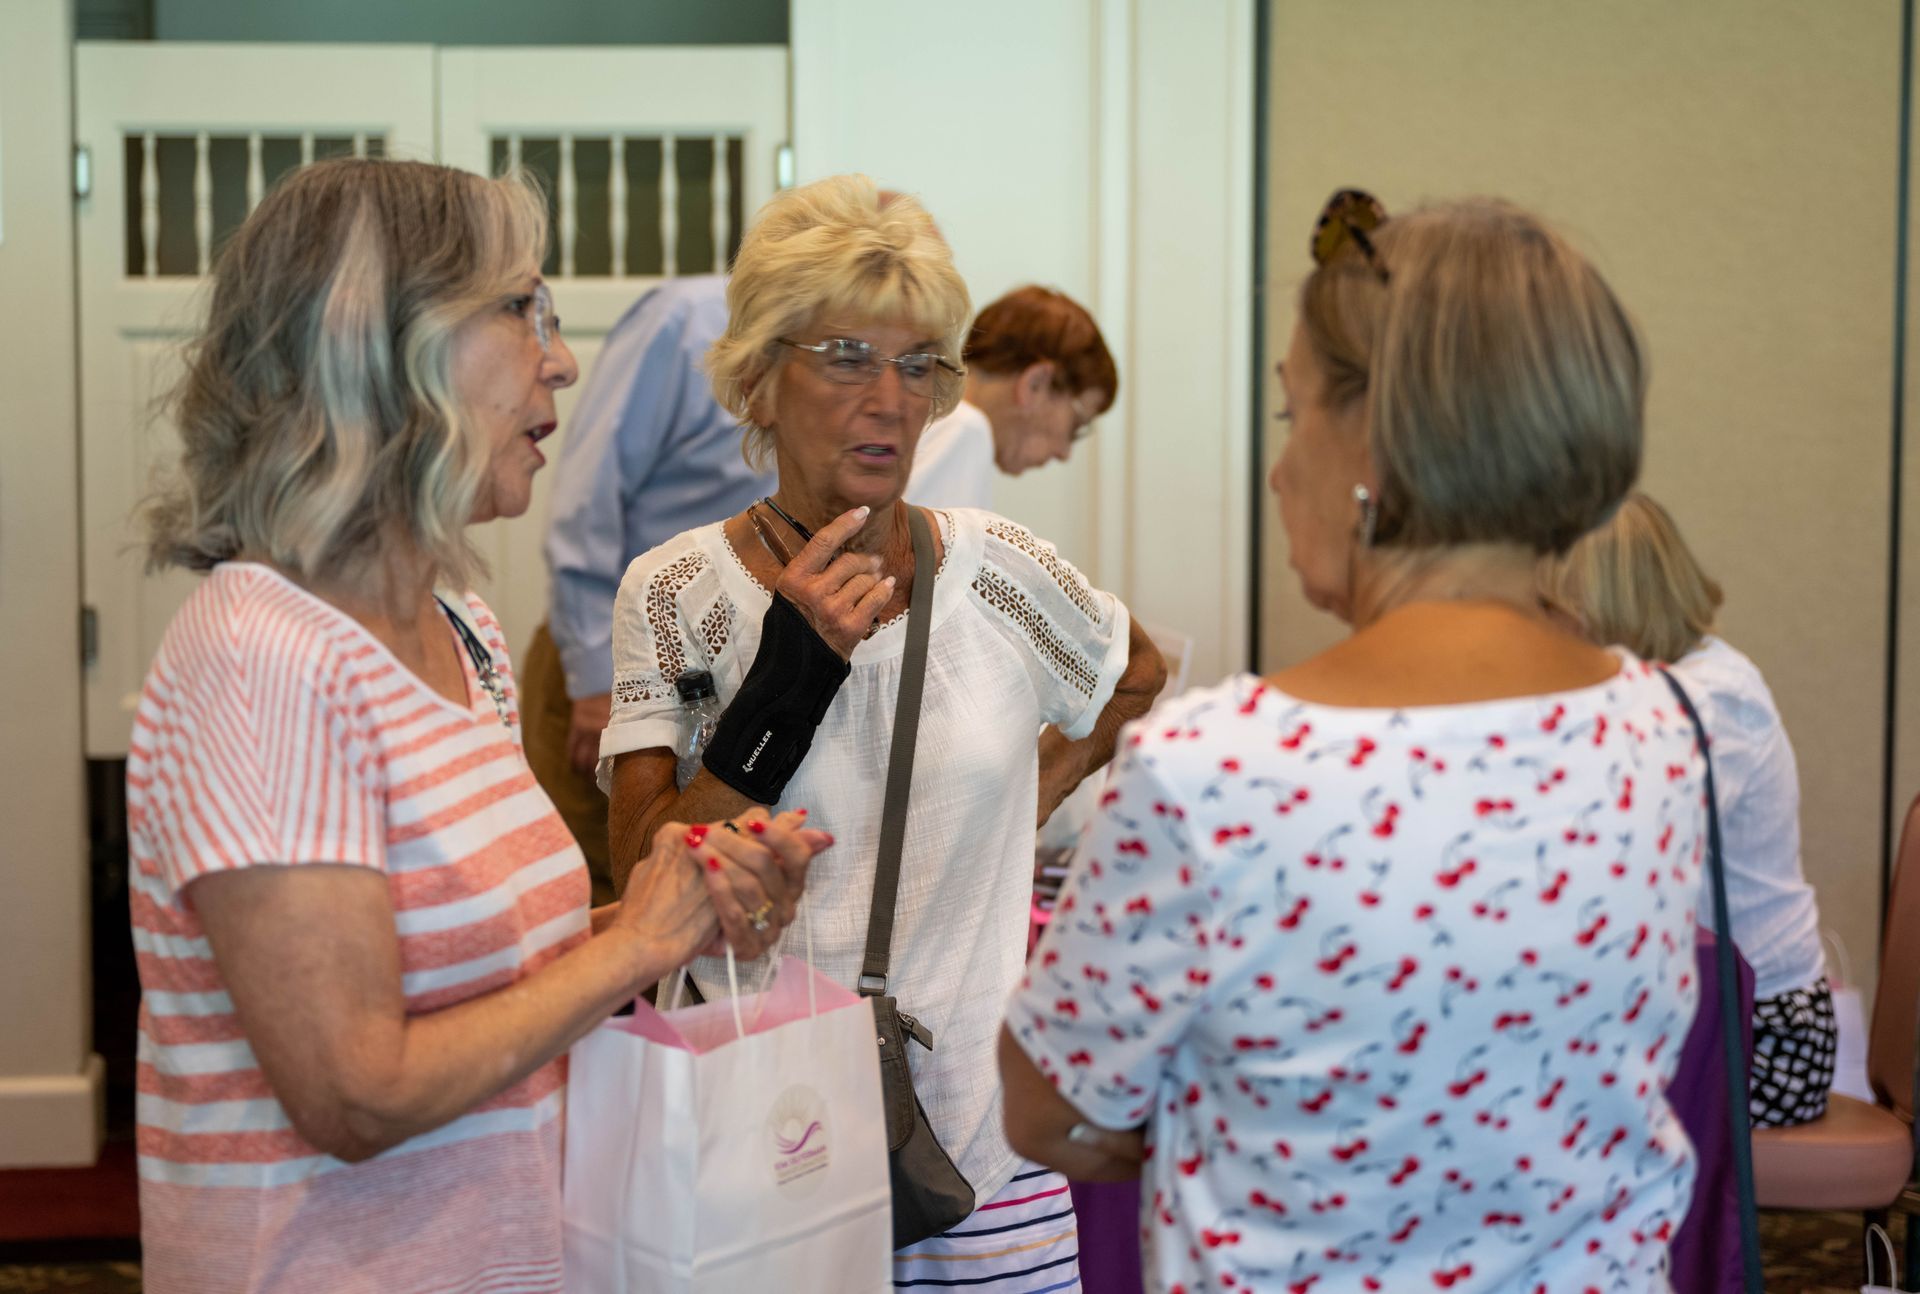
x=1376, y=969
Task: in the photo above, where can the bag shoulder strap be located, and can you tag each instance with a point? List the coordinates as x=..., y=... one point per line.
x=906, y=727
x=1732, y=1044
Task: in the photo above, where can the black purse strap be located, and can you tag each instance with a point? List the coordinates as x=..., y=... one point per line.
x=906, y=728
x=1733, y=1045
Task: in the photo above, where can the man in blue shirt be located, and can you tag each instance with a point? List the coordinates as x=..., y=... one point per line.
x=647, y=454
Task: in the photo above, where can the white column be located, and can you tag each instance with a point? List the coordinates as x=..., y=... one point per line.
x=617, y=203
x=50, y=1078
x=669, y=210
x=722, y=204
x=202, y=204
x=567, y=213
x=256, y=173
x=150, y=203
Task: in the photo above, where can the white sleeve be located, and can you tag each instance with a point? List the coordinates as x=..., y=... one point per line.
x=1072, y=636
x=654, y=641
x=953, y=466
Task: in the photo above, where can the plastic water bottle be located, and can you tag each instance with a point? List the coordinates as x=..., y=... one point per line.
x=700, y=706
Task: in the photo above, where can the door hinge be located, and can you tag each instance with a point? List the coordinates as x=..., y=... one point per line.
x=82, y=172
x=89, y=637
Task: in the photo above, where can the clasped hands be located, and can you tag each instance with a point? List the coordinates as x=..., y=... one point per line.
x=704, y=888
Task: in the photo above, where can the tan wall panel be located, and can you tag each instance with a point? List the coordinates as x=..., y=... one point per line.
x=1730, y=166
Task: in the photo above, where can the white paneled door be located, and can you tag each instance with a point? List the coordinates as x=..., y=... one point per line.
x=653, y=159
x=180, y=141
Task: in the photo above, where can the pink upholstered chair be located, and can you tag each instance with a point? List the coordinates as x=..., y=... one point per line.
x=1861, y=1156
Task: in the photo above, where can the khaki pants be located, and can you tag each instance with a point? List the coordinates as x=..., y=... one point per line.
x=545, y=713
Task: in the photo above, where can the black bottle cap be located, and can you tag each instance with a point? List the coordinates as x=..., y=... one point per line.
x=694, y=685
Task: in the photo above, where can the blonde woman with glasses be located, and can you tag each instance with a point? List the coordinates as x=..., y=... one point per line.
x=845, y=322
x=1634, y=581
x=363, y=931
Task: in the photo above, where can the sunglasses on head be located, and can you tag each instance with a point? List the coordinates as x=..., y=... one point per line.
x=1348, y=220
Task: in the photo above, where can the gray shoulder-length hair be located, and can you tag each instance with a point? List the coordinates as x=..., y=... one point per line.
x=317, y=415
x=1503, y=382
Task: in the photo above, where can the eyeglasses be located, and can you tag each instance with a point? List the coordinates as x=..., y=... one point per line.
x=1349, y=217
x=1083, y=415
x=537, y=307
x=855, y=363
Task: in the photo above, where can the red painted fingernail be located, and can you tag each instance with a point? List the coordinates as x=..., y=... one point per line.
x=713, y=864
x=757, y=828
x=829, y=836
x=801, y=812
x=695, y=835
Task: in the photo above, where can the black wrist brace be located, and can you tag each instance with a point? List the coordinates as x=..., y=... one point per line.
x=768, y=728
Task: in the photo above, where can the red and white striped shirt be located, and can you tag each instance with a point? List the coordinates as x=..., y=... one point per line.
x=275, y=730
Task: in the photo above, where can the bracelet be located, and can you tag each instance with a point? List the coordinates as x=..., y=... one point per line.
x=766, y=732
x=1085, y=1134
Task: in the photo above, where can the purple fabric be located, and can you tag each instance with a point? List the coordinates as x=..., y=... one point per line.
x=1705, y=1254
x=1108, y=1216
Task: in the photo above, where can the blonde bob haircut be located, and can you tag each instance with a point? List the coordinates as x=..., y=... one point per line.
x=317, y=413
x=1633, y=581
x=1503, y=381
x=836, y=251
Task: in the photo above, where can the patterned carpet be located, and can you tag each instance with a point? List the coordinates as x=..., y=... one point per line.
x=77, y=1278
x=1806, y=1253
x=1817, y=1253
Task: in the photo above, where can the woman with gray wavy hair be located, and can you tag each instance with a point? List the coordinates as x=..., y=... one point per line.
x=846, y=317
x=363, y=931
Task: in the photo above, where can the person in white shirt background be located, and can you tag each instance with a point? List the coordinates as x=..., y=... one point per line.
x=1038, y=374
x=649, y=453
x=1633, y=581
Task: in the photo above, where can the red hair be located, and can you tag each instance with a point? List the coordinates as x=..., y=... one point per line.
x=1033, y=324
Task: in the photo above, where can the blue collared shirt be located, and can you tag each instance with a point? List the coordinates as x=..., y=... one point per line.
x=648, y=453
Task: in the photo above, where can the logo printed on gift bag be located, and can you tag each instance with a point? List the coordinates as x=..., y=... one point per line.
x=797, y=1136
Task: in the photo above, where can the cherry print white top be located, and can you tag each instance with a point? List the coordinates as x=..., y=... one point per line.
x=1397, y=993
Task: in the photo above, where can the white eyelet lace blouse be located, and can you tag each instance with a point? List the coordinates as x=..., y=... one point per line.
x=1019, y=640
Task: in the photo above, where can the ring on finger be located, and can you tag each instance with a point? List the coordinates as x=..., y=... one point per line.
x=728, y=824
x=758, y=917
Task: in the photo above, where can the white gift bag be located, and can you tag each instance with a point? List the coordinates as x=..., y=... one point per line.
x=735, y=1147
x=1850, y=1023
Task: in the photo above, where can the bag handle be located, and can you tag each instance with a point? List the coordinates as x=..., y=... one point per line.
x=906, y=727
x=1732, y=1044
x=684, y=977
x=1877, y=1232
x=1830, y=941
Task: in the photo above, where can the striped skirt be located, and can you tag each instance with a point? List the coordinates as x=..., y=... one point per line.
x=1022, y=1241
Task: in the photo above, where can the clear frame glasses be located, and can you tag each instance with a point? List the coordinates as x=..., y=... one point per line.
x=536, y=307
x=1083, y=415
x=852, y=362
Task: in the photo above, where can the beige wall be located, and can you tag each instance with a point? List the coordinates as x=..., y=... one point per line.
x=1730, y=165
x=49, y=1079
